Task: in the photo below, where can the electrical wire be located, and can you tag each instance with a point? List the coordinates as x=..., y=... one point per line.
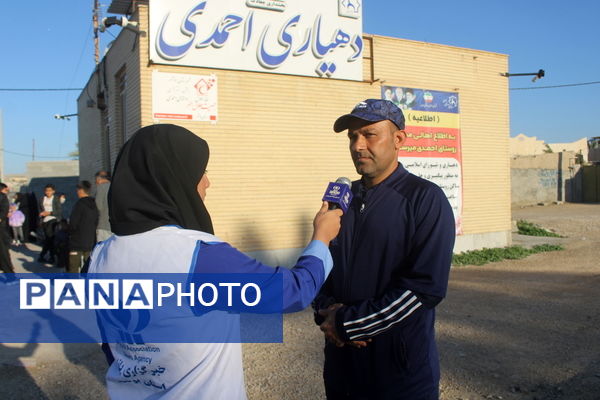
x=31, y=155
x=557, y=86
x=88, y=36
x=37, y=89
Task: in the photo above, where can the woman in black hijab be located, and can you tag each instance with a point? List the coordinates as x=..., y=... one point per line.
x=156, y=180
x=160, y=224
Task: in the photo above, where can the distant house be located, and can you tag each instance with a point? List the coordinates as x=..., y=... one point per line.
x=523, y=145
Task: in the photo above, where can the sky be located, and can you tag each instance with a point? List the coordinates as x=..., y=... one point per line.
x=49, y=44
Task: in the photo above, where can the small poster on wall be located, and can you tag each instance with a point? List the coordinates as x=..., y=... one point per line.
x=432, y=149
x=184, y=97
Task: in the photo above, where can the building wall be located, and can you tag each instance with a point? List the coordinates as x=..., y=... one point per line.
x=89, y=127
x=594, y=149
x=578, y=146
x=484, y=121
x=590, y=178
x=96, y=153
x=273, y=149
x=16, y=182
x=594, y=155
x=543, y=178
x=44, y=169
x=522, y=145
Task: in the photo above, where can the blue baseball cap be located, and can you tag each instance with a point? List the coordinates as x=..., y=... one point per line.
x=373, y=110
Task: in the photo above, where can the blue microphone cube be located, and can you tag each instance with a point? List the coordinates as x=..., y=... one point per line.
x=339, y=194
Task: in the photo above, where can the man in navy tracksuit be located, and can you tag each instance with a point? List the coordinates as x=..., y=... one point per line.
x=391, y=264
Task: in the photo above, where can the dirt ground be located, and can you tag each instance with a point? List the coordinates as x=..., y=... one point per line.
x=524, y=329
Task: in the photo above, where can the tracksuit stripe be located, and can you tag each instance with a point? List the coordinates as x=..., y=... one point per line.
x=392, y=323
x=380, y=321
x=382, y=311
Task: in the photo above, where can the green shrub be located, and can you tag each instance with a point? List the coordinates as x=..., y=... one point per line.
x=531, y=229
x=540, y=248
x=484, y=256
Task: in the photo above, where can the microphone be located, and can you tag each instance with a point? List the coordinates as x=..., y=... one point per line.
x=339, y=194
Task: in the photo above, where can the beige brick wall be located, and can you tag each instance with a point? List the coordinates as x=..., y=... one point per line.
x=273, y=149
x=484, y=117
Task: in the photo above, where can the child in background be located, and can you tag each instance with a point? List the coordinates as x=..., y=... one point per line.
x=16, y=218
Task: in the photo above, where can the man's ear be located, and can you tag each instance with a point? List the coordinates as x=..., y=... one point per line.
x=399, y=138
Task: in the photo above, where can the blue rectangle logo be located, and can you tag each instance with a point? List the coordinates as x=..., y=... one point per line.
x=141, y=308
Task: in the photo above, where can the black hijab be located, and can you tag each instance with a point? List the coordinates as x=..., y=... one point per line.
x=155, y=181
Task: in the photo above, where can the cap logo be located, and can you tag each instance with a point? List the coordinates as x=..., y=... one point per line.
x=372, y=110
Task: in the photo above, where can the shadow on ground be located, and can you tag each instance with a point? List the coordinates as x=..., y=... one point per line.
x=522, y=335
x=32, y=370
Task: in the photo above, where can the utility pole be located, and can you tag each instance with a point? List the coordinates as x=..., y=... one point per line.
x=32, y=149
x=96, y=37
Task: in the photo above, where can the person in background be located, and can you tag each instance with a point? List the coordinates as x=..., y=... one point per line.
x=16, y=218
x=61, y=244
x=22, y=203
x=29, y=206
x=82, y=227
x=102, y=186
x=5, y=213
x=5, y=261
x=51, y=213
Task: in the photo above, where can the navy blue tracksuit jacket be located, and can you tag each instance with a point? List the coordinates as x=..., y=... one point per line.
x=391, y=265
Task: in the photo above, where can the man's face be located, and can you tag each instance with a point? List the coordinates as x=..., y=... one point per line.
x=4, y=190
x=374, y=147
x=49, y=192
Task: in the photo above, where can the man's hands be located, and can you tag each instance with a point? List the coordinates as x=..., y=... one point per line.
x=328, y=328
x=45, y=213
x=326, y=227
x=328, y=325
x=326, y=224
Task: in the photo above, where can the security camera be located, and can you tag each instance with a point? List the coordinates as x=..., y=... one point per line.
x=121, y=21
x=108, y=22
x=65, y=117
x=540, y=74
